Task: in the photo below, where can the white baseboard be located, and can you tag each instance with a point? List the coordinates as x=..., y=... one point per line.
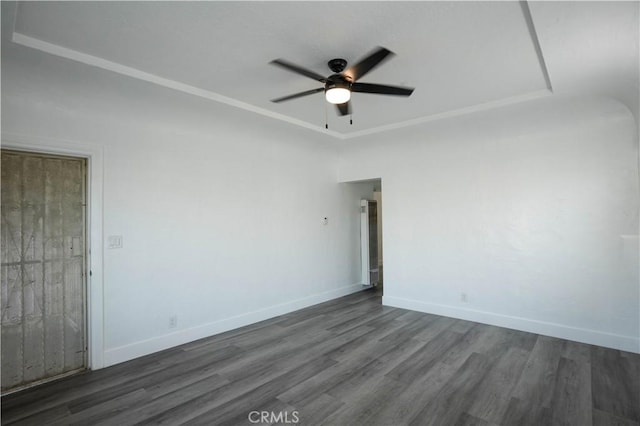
x=593, y=337
x=145, y=347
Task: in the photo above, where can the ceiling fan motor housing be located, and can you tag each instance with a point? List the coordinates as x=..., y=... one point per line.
x=337, y=65
x=337, y=81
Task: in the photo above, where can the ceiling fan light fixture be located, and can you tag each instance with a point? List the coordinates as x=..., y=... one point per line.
x=337, y=95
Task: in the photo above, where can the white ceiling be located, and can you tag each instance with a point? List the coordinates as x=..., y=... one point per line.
x=460, y=56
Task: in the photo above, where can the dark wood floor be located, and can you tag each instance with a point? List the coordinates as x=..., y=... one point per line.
x=352, y=361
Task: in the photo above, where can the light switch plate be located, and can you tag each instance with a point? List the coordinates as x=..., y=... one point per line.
x=115, y=241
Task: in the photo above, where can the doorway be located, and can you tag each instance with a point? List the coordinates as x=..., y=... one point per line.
x=371, y=240
x=377, y=196
x=44, y=267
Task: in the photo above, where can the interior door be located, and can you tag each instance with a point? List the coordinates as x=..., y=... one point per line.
x=43, y=275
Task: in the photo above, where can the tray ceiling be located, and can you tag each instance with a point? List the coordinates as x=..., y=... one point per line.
x=460, y=56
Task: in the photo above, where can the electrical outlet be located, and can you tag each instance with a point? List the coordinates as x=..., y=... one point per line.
x=463, y=297
x=173, y=321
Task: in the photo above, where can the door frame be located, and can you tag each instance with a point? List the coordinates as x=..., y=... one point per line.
x=94, y=155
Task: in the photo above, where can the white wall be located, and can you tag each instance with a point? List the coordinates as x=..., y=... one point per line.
x=220, y=211
x=532, y=212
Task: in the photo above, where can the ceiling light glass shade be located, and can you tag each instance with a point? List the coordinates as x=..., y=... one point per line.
x=338, y=95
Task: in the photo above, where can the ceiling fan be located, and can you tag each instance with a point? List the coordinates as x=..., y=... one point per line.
x=339, y=86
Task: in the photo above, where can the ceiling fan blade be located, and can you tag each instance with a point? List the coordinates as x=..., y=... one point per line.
x=381, y=89
x=298, y=69
x=344, y=109
x=298, y=95
x=367, y=64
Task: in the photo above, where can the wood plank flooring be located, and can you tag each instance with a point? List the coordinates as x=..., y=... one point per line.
x=351, y=362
